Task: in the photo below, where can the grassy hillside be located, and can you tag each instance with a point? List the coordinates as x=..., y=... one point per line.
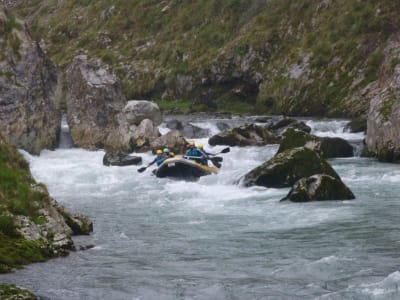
x=300, y=57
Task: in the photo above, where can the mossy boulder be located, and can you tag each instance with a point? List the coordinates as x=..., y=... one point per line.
x=246, y=135
x=319, y=187
x=327, y=147
x=11, y=292
x=285, y=168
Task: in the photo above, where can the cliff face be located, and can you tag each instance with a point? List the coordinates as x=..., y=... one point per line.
x=29, y=112
x=278, y=56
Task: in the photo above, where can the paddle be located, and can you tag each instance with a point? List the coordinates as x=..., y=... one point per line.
x=142, y=169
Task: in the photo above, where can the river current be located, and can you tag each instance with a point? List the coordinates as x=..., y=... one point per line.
x=211, y=239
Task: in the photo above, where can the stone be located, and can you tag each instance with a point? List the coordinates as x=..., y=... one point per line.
x=173, y=140
x=120, y=158
x=246, y=135
x=94, y=101
x=138, y=110
x=319, y=187
x=285, y=168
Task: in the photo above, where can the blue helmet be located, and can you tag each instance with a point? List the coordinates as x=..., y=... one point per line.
x=166, y=150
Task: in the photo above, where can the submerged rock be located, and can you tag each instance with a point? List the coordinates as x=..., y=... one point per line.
x=285, y=168
x=319, y=187
x=120, y=158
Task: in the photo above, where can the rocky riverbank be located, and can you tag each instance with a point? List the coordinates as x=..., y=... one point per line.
x=33, y=226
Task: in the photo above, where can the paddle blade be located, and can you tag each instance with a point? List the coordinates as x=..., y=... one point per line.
x=142, y=169
x=217, y=158
x=216, y=162
x=226, y=150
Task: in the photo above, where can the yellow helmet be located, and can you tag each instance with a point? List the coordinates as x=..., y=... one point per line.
x=159, y=151
x=191, y=143
x=200, y=146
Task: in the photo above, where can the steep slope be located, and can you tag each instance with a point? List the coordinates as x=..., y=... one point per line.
x=278, y=56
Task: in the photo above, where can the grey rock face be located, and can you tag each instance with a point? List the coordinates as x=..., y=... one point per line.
x=383, y=124
x=94, y=101
x=30, y=116
x=173, y=140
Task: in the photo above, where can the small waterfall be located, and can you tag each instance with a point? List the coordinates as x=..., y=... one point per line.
x=65, y=136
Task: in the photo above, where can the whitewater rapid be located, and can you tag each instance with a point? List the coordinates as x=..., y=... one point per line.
x=212, y=239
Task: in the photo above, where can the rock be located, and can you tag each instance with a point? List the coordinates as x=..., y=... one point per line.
x=80, y=224
x=205, y=100
x=335, y=147
x=11, y=292
x=356, y=125
x=94, y=102
x=194, y=132
x=327, y=147
x=144, y=134
x=285, y=168
x=222, y=126
x=282, y=125
x=319, y=187
x=138, y=110
x=246, y=135
x=30, y=114
x=174, y=124
x=187, y=129
x=173, y=140
x=120, y=158
x=383, y=124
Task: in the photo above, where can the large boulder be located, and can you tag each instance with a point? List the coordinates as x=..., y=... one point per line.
x=327, y=147
x=285, y=168
x=246, y=135
x=94, y=103
x=319, y=187
x=138, y=110
x=173, y=140
x=30, y=114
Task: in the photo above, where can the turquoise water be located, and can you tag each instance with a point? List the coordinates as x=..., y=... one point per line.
x=168, y=239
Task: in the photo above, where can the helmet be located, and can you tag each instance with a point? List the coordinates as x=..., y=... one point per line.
x=191, y=144
x=172, y=154
x=158, y=151
x=166, y=150
x=200, y=146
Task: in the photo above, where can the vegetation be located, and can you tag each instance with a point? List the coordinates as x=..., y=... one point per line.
x=311, y=55
x=17, y=197
x=12, y=292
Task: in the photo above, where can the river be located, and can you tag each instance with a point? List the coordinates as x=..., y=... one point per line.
x=168, y=239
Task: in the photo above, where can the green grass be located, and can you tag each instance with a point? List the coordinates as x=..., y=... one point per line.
x=183, y=106
x=164, y=39
x=18, y=198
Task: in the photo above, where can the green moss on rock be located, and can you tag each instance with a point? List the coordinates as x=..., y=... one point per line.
x=11, y=292
x=285, y=168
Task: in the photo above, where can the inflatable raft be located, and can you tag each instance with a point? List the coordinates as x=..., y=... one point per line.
x=180, y=167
